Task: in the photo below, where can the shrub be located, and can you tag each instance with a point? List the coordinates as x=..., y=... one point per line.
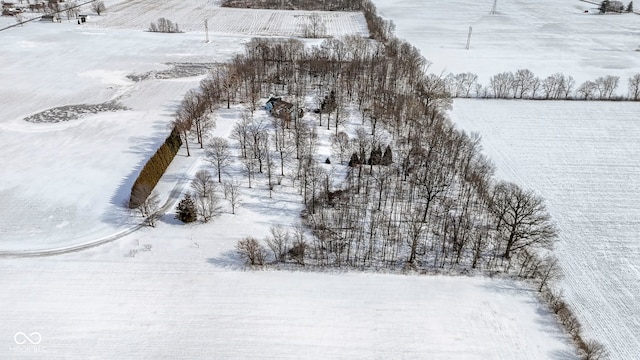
x=164, y=26
x=251, y=250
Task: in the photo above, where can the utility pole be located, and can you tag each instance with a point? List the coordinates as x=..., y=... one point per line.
x=495, y=7
x=206, y=29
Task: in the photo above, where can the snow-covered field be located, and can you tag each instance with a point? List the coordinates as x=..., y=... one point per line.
x=64, y=183
x=544, y=36
x=584, y=159
x=184, y=294
x=138, y=14
x=187, y=298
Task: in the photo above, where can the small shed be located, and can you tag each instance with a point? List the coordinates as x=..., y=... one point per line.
x=83, y=18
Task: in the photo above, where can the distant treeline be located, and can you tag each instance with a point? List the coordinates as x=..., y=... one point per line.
x=524, y=84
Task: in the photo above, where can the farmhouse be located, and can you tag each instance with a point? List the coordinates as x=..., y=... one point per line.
x=281, y=109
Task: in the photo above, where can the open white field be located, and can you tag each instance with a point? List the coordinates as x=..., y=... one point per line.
x=184, y=294
x=64, y=183
x=138, y=14
x=544, y=36
x=584, y=158
x=185, y=301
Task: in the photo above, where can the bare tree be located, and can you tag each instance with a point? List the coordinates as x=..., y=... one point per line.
x=98, y=6
x=634, y=87
x=218, y=154
x=203, y=184
x=298, y=250
x=208, y=206
x=315, y=28
x=71, y=9
x=593, y=350
x=278, y=242
x=183, y=125
x=548, y=271
x=557, y=86
x=148, y=204
x=341, y=145
x=586, y=90
x=164, y=26
x=523, y=83
x=207, y=202
x=521, y=218
x=232, y=194
x=606, y=86
x=501, y=84
x=251, y=250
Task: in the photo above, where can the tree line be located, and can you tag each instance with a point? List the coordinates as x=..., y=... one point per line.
x=524, y=84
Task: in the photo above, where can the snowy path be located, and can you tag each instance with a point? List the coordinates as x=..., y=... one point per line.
x=584, y=159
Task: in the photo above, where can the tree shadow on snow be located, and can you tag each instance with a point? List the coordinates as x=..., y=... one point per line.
x=562, y=355
x=228, y=259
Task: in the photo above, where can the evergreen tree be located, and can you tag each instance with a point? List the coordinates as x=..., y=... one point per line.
x=630, y=7
x=354, y=161
x=376, y=156
x=603, y=6
x=186, y=211
x=387, y=157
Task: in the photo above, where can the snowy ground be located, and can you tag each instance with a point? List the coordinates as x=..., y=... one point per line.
x=544, y=36
x=80, y=171
x=183, y=293
x=168, y=310
x=583, y=158
x=138, y=14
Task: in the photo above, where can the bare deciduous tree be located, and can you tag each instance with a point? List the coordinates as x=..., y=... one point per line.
x=548, y=271
x=203, y=184
x=501, y=84
x=586, y=90
x=606, y=86
x=521, y=218
x=315, y=28
x=341, y=145
x=148, y=205
x=634, y=87
x=98, y=7
x=278, y=242
x=251, y=250
x=593, y=350
x=208, y=207
x=232, y=193
x=218, y=154
x=71, y=9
